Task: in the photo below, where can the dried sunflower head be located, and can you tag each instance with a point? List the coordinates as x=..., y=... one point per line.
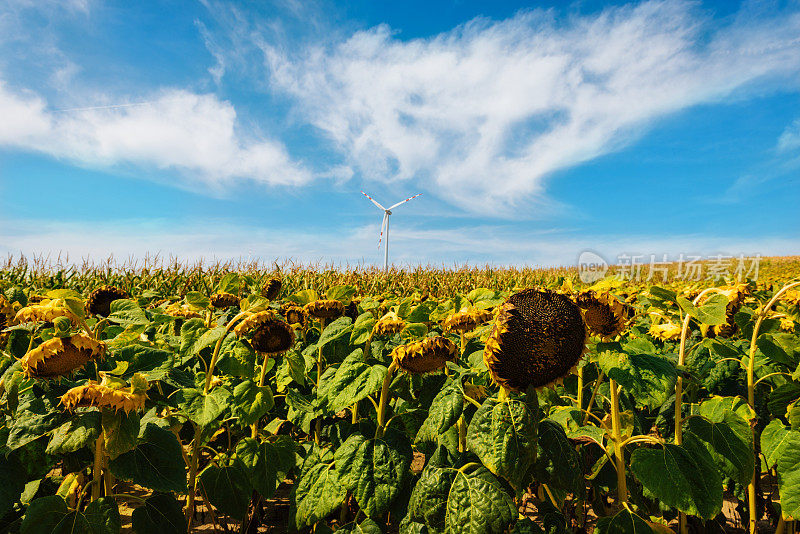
x=425, y=356
x=351, y=310
x=47, y=311
x=388, y=325
x=58, y=357
x=537, y=338
x=224, y=300
x=6, y=312
x=787, y=324
x=295, y=315
x=267, y=332
x=99, y=301
x=325, y=309
x=271, y=289
x=736, y=295
x=605, y=316
x=465, y=320
x=108, y=394
x=665, y=331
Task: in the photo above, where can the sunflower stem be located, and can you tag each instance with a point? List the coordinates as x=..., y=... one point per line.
x=193, y=476
x=97, y=469
x=580, y=388
x=217, y=347
x=318, y=422
x=384, y=402
x=462, y=435
x=619, y=452
x=751, y=399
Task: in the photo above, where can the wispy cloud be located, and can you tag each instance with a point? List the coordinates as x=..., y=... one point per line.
x=486, y=112
x=790, y=138
x=176, y=130
x=217, y=240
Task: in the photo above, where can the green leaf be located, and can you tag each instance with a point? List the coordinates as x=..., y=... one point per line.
x=120, y=432
x=229, y=284
x=780, y=348
x=681, y=476
x=367, y=526
x=103, y=516
x=414, y=331
x=49, y=515
x=502, y=433
x=711, y=312
x=337, y=329
x=470, y=500
x=13, y=474
x=80, y=431
x=561, y=455
x=374, y=470
x=343, y=294
x=782, y=396
x=238, y=359
x=732, y=455
x=203, y=409
x=353, y=381
x=445, y=410
x=261, y=461
x=160, y=514
x=145, y=359
x=228, y=488
x=624, y=522
x=35, y=417
x=250, y=402
x=303, y=297
x=781, y=446
x=362, y=328
x=199, y=301
x=317, y=494
x=127, y=312
x=648, y=378
x=731, y=410
x=155, y=463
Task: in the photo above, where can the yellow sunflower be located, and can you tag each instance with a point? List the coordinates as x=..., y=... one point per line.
x=388, y=325
x=605, y=316
x=108, y=394
x=224, y=300
x=268, y=333
x=325, y=309
x=58, y=357
x=465, y=320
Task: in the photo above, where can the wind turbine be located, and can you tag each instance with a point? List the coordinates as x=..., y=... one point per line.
x=385, y=225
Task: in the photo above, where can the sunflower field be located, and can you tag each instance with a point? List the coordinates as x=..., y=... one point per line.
x=286, y=399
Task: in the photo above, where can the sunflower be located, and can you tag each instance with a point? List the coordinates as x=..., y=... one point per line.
x=60, y=356
x=107, y=394
x=271, y=289
x=668, y=331
x=6, y=317
x=605, y=316
x=425, y=356
x=295, y=315
x=224, y=300
x=537, y=338
x=99, y=301
x=465, y=320
x=268, y=333
x=325, y=309
x=787, y=324
x=388, y=325
x=351, y=310
x=792, y=296
x=176, y=309
x=45, y=312
x=736, y=295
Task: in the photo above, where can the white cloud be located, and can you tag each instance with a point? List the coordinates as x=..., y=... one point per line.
x=197, y=134
x=207, y=240
x=790, y=138
x=487, y=111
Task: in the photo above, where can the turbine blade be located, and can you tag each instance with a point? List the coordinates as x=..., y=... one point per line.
x=383, y=228
x=404, y=201
x=373, y=201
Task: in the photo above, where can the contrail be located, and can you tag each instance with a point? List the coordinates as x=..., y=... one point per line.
x=114, y=106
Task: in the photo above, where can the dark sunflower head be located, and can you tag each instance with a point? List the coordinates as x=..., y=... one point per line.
x=99, y=301
x=537, y=338
x=224, y=300
x=425, y=356
x=325, y=309
x=271, y=289
x=465, y=320
x=6, y=312
x=605, y=316
x=351, y=310
x=267, y=332
x=295, y=315
x=58, y=357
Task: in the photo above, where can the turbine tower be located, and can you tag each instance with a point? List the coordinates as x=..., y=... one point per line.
x=385, y=225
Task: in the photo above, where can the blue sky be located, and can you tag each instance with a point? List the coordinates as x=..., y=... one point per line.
x=534, y=130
